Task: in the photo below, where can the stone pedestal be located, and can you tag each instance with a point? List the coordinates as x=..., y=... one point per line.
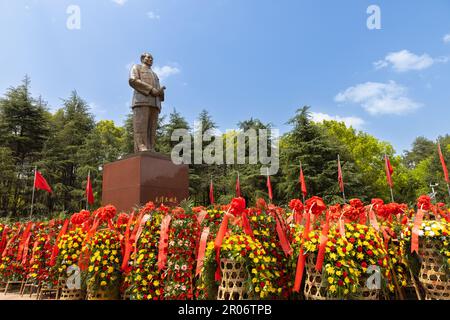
x=143, y=177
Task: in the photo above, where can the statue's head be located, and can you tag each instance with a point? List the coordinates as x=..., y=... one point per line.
x=147, y=59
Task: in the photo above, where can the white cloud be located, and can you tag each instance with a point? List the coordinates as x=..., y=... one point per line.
x=446, y=38
x=404, y=60
x=153, y=16
x=165, y=71
x=119, y=2
x=354, y=122
x=379, y=98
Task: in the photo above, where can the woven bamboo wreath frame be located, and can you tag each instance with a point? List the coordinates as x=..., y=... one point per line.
x=432, y=275
x=232, y=285
x=315, y=288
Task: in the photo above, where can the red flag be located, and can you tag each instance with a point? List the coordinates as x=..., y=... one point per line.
x=211, y=193
x=340, y=177
x=89, y=192
x=269, y=188
x=302, y=182
x=40, y=183
x=389, y=170
x=238, y=187
x=444, y=167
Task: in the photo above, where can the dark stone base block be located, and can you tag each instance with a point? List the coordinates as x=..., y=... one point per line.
x=143, y=177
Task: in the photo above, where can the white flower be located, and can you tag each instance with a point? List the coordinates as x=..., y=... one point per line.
x=431, y=234
x=420, y=233
x=427, y=228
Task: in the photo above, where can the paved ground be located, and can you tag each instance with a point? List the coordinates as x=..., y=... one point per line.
x=16, y=296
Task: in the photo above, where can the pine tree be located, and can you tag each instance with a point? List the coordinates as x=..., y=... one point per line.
x=23, y=130
x=71, y=125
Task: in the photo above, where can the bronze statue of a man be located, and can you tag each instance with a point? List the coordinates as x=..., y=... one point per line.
x=146, y=104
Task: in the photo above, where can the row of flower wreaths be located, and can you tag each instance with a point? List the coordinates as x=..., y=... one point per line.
x=174, y=253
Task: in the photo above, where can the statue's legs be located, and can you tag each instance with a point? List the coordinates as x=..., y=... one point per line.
x=141, y=117
x=153, y=124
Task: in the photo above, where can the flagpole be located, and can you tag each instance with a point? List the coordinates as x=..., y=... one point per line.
x=303, y=195
x=32, y=194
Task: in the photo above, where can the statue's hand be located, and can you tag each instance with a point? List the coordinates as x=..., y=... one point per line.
x=155, y=92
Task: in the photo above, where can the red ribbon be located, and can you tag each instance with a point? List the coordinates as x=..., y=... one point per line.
x=218, y=243
x=4, y=240
x=299, y=272
x=25, y=249
x=415, y=231
x=323, y=245
x=284, y=242
x=246, y=225
x=14, y=237
x=373, y=219
x=201, y=216
x=163, y=242
x=301, y=257
x=128, y=244
x=23, y=240
x=55, y=247
x=201, y=250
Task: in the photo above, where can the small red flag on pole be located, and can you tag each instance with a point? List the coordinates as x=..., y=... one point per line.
x=238, y=187
x=40, y=183
x=269, y=186
x=389, y=172
x=302, y=183
x=89, y=192
x=211, y=193
x=341, y=178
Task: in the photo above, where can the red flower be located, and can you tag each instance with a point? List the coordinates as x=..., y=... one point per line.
x=237, y=206
x=364, y=264
x=105, y=213
x=179, y=213
x=296, y=205
x=356, y=203
x=424, y=202
x=316, y=205
x=80, y=217
x=123, y=219
x=148, y=207
x=377, y=202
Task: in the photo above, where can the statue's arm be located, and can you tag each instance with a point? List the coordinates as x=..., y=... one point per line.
x=137, y=84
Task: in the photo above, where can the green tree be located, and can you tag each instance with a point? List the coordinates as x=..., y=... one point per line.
x=24, y=130
x=71, y=124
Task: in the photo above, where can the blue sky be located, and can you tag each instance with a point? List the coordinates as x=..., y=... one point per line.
x=241, y=59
